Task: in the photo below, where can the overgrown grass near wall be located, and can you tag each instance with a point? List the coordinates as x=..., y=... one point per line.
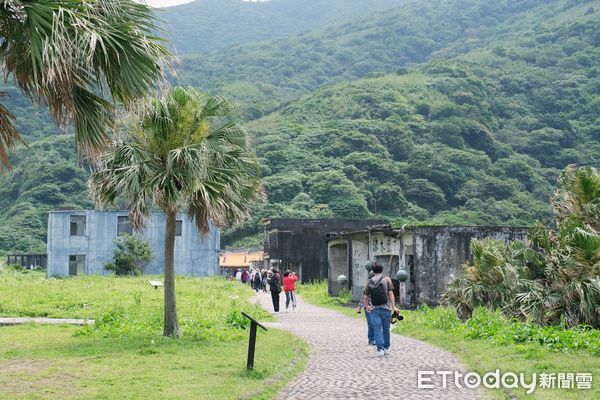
x=488, y=341
x=124, y=354
x=316, y=293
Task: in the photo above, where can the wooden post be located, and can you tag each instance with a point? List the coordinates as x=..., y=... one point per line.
x=251, y=346
x=252, y=341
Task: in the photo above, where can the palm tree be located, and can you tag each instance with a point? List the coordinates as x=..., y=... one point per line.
x=80, y=58
x=554, y=280
x=579, y=196
x=184, y=150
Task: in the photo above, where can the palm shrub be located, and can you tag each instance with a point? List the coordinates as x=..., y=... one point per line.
x=184, y=151
x=491, y=280
x=555, y=278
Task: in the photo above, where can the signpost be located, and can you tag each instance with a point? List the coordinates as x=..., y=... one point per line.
x=252, y=343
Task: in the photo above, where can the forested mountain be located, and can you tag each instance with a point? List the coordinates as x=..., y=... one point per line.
x=46, y=176
x=211, y=25
x=454, y=111
x=263, y=75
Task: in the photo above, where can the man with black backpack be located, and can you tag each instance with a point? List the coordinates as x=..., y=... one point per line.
x=380, y=302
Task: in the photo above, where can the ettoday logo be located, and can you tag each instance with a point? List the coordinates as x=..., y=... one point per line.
x=507, y=380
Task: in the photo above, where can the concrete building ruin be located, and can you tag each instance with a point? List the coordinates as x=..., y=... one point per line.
x=82, y=243
x=300, y=244
x=431, y=255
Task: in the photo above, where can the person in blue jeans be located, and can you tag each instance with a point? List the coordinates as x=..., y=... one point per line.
x=370, y=330
x=380, y=302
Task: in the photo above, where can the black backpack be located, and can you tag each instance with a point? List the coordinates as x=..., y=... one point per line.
x=378, y=292
x=274, y=284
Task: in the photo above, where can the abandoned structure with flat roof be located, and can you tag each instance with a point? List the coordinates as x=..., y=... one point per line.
x=82, y=243
x=431, y=255
x=300, y=244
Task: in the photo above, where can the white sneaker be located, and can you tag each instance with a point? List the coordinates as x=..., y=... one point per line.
x=386, y=351
x=381, y=353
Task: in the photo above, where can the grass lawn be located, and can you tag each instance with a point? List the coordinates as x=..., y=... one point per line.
x=124, y=355
x=438, y=327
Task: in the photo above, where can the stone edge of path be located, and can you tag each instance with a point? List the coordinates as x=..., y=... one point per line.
x=7, y=321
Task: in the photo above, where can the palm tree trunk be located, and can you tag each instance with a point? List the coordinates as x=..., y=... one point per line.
x=171, y=327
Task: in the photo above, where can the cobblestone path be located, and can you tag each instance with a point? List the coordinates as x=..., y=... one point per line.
x=342, y=366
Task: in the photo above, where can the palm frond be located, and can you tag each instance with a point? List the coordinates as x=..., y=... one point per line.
x=79, y=58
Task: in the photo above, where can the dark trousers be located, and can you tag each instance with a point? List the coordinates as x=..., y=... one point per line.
x=290, y=298
x=275, y=297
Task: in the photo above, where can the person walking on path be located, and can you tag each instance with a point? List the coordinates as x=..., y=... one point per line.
x=289, y=286
x=245, y=276
x=361, y=305
x=257, y=281
x=275, y=288
x=380, y=293
x=264, y=280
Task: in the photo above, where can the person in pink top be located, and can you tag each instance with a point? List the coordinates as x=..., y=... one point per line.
x=289, y=287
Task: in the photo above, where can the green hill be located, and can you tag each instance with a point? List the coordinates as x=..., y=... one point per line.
x=264, y=75
x=456, y=111
x=478, y=138
x=45, y=177
x=211, y=25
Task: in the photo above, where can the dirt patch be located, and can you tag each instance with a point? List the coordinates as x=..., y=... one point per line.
x=23, y=365
x=45, y=379
x=24, y=376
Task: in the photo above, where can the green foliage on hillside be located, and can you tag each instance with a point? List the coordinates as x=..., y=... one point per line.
x=458, y=111
x=477, y=139
x=264, y=75
x=211, y=25
x=45, y=177
x=32, y=123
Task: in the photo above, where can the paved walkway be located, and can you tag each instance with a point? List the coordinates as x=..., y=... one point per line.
x=27, y=320
x=342, y=366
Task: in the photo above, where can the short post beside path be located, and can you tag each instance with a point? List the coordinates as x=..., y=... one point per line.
x=252, y=342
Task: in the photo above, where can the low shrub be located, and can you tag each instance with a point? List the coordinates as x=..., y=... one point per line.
x=493, y=326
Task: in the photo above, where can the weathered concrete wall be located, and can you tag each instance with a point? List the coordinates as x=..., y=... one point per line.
x=194, y=255
x=431, y=256
x=301, y=244
x=378, y=246
x=440, y=253
x=338, y=265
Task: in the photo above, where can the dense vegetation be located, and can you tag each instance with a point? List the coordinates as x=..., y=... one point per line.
x=554, y=280
x=45, y=177
x=264, y=75
x=130, y=256
x=460, y=111
x=212, y=25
